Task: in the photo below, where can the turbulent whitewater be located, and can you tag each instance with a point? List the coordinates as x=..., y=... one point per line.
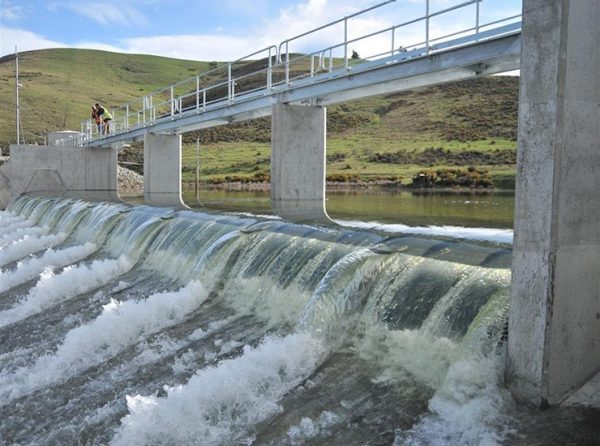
x=132, y=325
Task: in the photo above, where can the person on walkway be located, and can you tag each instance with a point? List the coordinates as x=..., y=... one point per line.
x=97, y=119
x=105, y=116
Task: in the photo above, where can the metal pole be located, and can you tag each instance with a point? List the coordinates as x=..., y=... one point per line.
x=197, y=168
x=197, y=94
x=427, y=25
x=346, y=43
x=18, y=116
x=229, y=81
x=477, y=18
x=287, y=64
x=270, y=72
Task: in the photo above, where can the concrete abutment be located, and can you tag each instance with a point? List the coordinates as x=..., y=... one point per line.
x=89, y=174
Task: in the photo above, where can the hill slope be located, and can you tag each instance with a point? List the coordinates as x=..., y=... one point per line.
x=469, y=123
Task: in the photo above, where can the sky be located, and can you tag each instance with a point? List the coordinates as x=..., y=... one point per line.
x=224, y=30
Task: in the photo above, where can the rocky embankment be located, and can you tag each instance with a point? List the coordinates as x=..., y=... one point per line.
x=129, y=181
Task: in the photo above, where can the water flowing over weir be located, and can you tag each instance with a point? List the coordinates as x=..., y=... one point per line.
x=135, y=325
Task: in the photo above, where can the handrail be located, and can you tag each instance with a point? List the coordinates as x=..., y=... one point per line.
x=168, y=103
x=327, y=25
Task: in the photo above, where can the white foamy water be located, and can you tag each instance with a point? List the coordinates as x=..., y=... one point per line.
x=407, y=354
x=28, y=245
x=120, y=324
x=470, y=408
x=31, y=268
x=10, y=224
x=52, y=288
x=219, y=403
x=20, y=233
x=483, y=234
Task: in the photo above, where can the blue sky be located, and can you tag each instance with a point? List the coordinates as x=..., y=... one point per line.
x=220, y=29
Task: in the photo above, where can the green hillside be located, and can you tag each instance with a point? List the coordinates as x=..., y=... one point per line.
x=470, y=124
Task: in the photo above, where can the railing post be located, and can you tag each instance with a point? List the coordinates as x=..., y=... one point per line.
x=346, y=65
x=287, y=63
x=330, y=59
x=427, y=25
x=197, y=94
x=477, y=19
x=229, y=96
x=127, y=116
x=312, y=65
x=393, y=40
x=204, y=99
x=270, y=73
x=172, y=103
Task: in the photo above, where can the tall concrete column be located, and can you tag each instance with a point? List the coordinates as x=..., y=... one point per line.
x=554, y=328
x=162, y=170
x=298, y=142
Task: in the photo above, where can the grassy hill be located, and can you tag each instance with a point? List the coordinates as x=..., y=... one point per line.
x=389, y=137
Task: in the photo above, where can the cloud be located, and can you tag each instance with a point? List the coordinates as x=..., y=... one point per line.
x=9, y=12
x=109, y=15
x=26, y=41
x=198, y=47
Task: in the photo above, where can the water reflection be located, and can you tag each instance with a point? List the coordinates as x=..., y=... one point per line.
x=470, y=209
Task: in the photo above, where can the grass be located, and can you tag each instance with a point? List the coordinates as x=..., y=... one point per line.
x=60, y=85
x=394, y=135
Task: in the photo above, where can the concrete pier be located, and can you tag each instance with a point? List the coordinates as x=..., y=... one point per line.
x=298, y=143
x=554, y=331
x=162, y=170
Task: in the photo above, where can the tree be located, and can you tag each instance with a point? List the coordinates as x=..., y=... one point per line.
x=355, y=55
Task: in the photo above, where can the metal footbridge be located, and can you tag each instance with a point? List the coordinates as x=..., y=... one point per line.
x=247, y=88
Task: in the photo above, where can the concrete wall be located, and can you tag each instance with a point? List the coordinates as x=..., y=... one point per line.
x=4, y=187
x=298, y=144
x=554, y=331
x=162, y=170
x=62, y=171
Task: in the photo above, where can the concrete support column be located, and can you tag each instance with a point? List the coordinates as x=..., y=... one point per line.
x=162, y=170
x=298, y=142
x=554, y=329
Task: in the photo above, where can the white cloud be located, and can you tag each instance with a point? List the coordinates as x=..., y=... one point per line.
x=25, y=40
x=197, y=47
x=109, y=15
x=9, y=12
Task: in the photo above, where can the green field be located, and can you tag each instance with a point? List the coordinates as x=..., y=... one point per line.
x=383, y=138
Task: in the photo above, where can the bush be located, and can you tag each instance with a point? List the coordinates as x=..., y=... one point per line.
x=472, y=178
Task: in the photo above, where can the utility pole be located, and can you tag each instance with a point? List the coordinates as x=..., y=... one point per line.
x=17, y=85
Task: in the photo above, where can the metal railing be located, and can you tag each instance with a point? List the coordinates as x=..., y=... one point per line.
x=276, y=68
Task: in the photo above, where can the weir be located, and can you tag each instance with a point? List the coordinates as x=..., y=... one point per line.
x=256, y=319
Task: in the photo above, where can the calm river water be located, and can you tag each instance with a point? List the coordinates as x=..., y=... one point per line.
x=470, y=209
